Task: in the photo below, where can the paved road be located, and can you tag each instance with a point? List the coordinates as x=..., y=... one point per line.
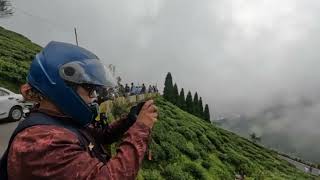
x=6, y=129
x=300, y=166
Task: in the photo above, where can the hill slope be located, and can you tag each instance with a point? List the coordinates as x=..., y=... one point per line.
x=16, y=53
x=186, y=147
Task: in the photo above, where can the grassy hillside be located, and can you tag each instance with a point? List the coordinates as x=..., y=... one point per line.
x=16, y=54
x=186, y=147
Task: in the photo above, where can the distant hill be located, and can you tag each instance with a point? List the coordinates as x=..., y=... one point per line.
x=302, y=145
x=16, y=54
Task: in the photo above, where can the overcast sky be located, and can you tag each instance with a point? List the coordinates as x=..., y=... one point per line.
x=241, y=56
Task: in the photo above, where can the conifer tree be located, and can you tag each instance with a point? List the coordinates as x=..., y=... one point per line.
x=195, y=105
x=175, y=95
x=207, y=113
x=182, y=100
x=200, y=106
x=168, y=88
x=189, y=103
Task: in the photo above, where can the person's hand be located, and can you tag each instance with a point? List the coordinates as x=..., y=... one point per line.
x=148, y=114
x=134, y=112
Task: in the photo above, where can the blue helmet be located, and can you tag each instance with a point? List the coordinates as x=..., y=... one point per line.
x=61, y=63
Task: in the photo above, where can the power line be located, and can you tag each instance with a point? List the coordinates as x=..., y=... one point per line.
x=50, y=22
x=45, y=20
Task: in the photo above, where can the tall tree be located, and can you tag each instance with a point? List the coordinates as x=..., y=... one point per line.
x=175, y=95
x=182, y=100
x=195, y=105
x=168, y=87
x=254, y=137
x=5, y=8
x=200, y=106
x=207, y=113
x=189, y=103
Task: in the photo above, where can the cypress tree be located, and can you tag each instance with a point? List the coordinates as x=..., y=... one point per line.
x=201, y=114
x=189, y=103
x=195, y=105
x=207, y=113
x=168, y=87
x=182, y=100
x=175, y=95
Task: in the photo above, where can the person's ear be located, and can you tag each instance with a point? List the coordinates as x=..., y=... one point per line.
x=25, y=91
x=29, y=94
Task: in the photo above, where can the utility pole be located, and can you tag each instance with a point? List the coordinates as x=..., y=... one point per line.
x=76, y=35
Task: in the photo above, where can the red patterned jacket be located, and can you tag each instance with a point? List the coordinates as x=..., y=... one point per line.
x=52, y=152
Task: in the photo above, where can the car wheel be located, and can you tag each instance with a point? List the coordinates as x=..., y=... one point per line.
x=16, y=113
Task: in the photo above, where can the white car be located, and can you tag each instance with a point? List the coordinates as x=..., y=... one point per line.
x=11, y=105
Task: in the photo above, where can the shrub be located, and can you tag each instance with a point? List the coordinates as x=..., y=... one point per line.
x=186, y=133
x=119, y=109
x=190, y=152
x=174, y=172
x=206, y=143
x=194, y=170
x=206, y=164
x=171, y=152
x=176, y=139
x=152, y=175
x=158, y=153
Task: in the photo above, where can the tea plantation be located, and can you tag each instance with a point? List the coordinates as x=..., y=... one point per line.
x=186, y=147
x=16, y=53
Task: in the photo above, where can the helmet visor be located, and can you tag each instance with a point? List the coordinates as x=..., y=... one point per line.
x=90, y=72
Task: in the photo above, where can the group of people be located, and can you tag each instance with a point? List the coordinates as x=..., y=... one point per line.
x=124, y=91
x=136, y=90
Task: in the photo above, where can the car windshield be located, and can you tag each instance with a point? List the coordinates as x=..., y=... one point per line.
x=3, y=93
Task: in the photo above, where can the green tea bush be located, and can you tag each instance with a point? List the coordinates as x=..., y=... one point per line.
x=158, y=153
x=152, y=175
x=196, y=171
x=174, y=172
x=188, y=134
x=171, y=152
x=191, y=153
x=206, y=164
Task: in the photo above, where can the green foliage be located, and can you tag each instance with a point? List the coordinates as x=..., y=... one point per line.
x=151, y=175
x=174, y=172
x=182, y=100
x=254, y=137
x=168, y=88
x=119, y=109
x=16, y=54
x=195, y=105
x=206, y=164
x=159, y=154
x=175, y=95
x=200, y=110
x=186, y=132
x=195, y=170
x=206, y=113
x=189, y=103
x=186, y=147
